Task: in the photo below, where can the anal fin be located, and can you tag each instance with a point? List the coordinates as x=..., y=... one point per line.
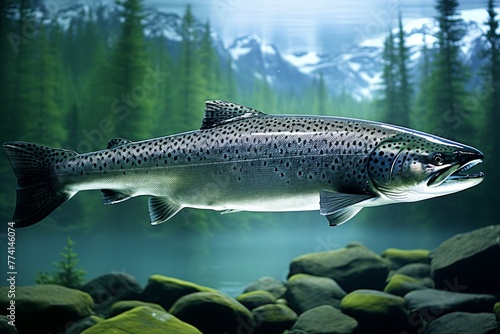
x=162, y=209
x=110, y=196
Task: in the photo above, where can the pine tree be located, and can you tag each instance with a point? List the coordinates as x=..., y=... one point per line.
x=404, y=91
x=210, y=64
x=191, y=84
x=164, y=96
x=397, y=90
x=389, y=80
x=321, y=97
x=67, y=275
x=229, y=89
x=422, y=102
x=448, y=73
x=492, y=75
x=132, y=84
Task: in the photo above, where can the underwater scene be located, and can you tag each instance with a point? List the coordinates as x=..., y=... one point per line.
x=249, y=167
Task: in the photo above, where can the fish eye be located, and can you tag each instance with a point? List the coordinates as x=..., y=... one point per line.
x=438, y=159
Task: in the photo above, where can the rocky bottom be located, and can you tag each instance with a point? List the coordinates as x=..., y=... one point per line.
x=452, y=289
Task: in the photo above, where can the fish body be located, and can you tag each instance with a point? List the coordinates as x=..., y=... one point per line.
x=245, y=160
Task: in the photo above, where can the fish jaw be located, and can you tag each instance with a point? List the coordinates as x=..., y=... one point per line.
x=454, y=178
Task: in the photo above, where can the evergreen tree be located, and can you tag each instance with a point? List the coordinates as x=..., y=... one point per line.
x=492, y=75
x=321, y=97
x=404, y=91
x=397, y=90
x=191, y=84
x=67, y=275
x=448, y=74
x=389, y=80
x=164, y=96
x=132, y=84
x=229, y=89
x=422, y=102
x=210, y=63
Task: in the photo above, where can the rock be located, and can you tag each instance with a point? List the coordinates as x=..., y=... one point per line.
x=375, y=309
x=429, y=304
x=416, y=270
x=140, y=320
x=201, y=308
x=165, y=291
x=273, y=318
x=256, y=298
x=324, y=319
x=462, y=262
x=496, y=310
x=400, y=285
x=110, y=288
x=307, y=291
x=83, y=324
x=46, y=308
x=125, y=305
x=271, y=284
x=5, y=327
x=463, y=323
x=352, y=267
x=401, y=257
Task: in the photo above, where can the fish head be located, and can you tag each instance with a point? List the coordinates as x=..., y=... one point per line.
x=414, y=166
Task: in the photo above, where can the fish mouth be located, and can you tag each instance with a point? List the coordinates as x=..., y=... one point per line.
x=456, y=173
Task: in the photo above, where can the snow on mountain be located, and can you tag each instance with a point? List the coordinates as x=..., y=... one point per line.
x=252, y=58
x=359, y=69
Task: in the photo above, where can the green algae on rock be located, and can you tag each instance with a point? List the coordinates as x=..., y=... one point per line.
x=140, y=320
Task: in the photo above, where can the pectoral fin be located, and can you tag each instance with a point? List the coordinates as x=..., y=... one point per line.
x=162, y=209
x=339, y=207
x=341, y=216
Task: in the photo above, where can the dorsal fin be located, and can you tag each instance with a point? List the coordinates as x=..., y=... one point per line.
x=115, y=142
x=218, y=112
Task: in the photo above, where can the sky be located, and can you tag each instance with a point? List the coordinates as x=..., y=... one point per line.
x=312, y=25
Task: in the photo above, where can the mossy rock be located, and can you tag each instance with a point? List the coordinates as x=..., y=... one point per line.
x=273, y=318
x=140, y=320
x=401, y=257
x=463, y=323
x=47, y=308
x=213, y=313
x=256, y=298
x=5, y=327
x=353, y=267
x=376, y=309
x=415, y=270
x=110, y=288
x=271, y=284
x=462, y=262
x=307, y=291
x=126, y=305
x=324, y=319
x=496, y=310
x=83, y=324
x=165, y=291
x=400, y=285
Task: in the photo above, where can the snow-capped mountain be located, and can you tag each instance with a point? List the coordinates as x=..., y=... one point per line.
x=356, y=71
x=253, y=59
x=359, y=70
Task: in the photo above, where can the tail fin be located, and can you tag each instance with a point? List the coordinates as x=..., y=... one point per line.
x=38, y=193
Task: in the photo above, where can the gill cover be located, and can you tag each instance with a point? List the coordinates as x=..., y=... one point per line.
x=383, y=161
